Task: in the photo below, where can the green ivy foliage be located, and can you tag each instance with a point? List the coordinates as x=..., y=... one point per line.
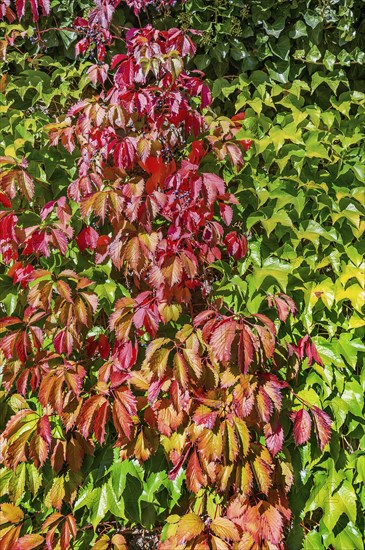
x=297, y=70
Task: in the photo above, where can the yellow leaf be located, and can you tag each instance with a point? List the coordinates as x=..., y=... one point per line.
x=190, y=526
x=102, y=543
x=56, y=494
x=9, y=513
x=225, y=529
x=244, y=434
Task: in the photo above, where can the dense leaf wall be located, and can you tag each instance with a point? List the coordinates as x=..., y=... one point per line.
x=295, y=68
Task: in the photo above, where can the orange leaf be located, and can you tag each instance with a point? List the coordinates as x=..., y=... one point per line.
x=195, y=478
x=172, y=270
x=28, y=542
x=271, y=523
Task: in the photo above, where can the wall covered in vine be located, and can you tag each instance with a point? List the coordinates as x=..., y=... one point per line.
x=182, y=274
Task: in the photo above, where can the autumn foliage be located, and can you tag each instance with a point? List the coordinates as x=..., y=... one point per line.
x=177, y=370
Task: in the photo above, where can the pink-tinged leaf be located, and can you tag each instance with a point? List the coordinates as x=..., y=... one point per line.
x=245, y=349
x=46, y=6
x=116, y=59
x=63, y=342
x=214, y=186
x=202, y=317
x=267, y=322
x=267, y=340
x=282, y=308
x=235, y=154
x=28, y=542
x=315, y=355
x=226, y=213
x=59, y=240
x=236, y=245
x=98, y=73
x=222, y=338
x=284, y=305
x=271, y=523
x=274, y=435
x=302, y=426
x=155, y=388
x=44, y=429
x=204, y=416
x=322, y=424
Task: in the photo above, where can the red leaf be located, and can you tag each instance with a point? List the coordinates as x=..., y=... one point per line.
x=245, y=349
x=5, y=201
x=20, y=5
x=236, y=245
x=44, y=429
x=302, y=426
x=87, y=238
x=195, y=478
x=226, y=213
x=322, y=423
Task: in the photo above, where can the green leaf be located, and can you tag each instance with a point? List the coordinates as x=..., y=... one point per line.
x=314, y=54
x=99, y=506
x=353, y=396
x=312, y=541
x=273, y=269
x=329, y=60
x=312, y=18
x=17, y=482
x=34, y=479
x=349, y=537
x=299, y=30
x=341, y=501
